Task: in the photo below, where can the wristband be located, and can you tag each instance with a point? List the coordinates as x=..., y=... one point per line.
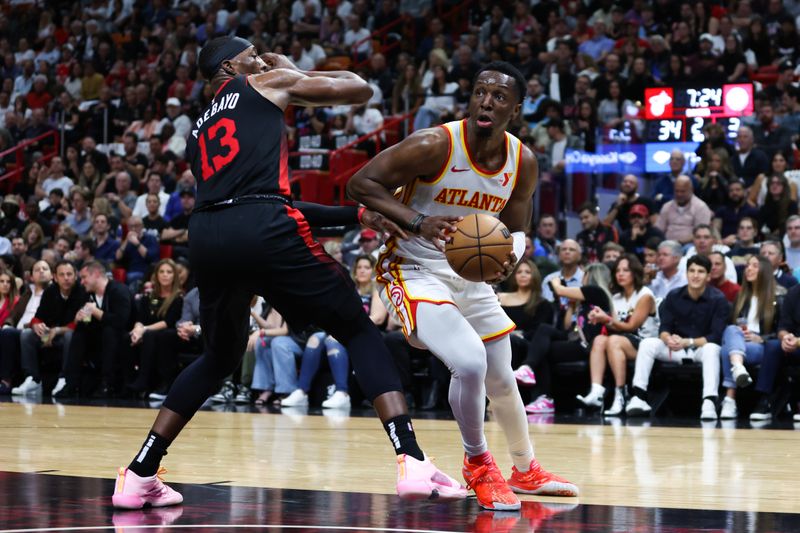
x=360, y=214
x=519, y=244
x=416, y=223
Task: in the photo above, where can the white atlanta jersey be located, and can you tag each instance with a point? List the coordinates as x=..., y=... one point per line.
x=414, y=271
x=460, y=188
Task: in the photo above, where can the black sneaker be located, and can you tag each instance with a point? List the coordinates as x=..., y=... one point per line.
x=763, y=410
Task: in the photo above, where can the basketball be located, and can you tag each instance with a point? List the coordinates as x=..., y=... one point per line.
x=479, y=248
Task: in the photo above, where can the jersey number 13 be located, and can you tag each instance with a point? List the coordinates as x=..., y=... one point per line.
x=225, y=130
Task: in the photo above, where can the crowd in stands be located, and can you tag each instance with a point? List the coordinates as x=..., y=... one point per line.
x=95, y=286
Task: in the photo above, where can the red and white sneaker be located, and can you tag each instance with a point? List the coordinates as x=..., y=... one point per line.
x=490, y=487
x=537, y=480
x=134, y=492
x=525, y=376
x=421, y=480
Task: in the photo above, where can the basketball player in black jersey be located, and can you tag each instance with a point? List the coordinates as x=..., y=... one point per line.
x=246, y=237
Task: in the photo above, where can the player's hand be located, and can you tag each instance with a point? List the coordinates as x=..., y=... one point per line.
x=508, y=268
x=437, y=229
x=381, y=224
x=274, y=61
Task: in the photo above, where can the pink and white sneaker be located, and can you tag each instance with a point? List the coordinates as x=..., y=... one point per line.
x=525, y=376
x=543, y=405
x=421, y=480
x=134, y=492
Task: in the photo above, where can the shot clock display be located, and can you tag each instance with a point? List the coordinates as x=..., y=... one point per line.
x=679, y=114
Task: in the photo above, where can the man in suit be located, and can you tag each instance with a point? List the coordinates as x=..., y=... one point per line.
x=101, y=329
x=750, y=161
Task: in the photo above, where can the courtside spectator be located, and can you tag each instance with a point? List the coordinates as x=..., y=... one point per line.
x=19, y=320
x=153, y=336
x=778, y=353
x=692, y=321
x=755, y=316
x=100, y=334
x=51, y=327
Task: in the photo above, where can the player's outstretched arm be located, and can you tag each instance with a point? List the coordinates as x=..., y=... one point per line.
x=284, y=84
x=422, y=154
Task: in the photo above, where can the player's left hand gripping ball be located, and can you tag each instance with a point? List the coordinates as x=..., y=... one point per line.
x=508, y=269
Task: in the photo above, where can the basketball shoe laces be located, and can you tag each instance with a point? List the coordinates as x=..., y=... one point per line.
x=485, y=474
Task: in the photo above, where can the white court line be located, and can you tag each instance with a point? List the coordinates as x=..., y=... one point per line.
x=227, y=526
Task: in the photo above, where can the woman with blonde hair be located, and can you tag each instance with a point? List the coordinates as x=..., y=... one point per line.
x=755, y=317
x=153, y=335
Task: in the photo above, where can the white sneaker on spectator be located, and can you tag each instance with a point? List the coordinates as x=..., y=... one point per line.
x=594, y=398
x=338, y=400
x=638, y=407
x=60, y=384
x=729, y=409
x=27, y=387
x=298, y=398
x=618, y=405
x=708, y=411
x=740, y=376
x=225, y=394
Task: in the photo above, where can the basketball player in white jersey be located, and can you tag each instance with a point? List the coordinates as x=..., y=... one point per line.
x=425, y=184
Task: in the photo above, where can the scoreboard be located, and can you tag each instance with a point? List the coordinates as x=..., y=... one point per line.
x=679, y=114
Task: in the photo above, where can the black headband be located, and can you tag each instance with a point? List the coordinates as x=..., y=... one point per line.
x=213, y=54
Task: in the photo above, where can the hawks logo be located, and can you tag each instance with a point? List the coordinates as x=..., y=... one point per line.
x=397, y=295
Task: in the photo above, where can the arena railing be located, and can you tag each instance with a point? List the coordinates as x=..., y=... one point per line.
x=328, y=186
x=11, y=177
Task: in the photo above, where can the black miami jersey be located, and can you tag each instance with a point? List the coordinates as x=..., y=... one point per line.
x=238, y=146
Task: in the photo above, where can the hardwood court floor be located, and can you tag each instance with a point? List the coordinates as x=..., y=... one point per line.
x=634, y=466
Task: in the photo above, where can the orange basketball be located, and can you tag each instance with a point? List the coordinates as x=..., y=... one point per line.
x=479, y=248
